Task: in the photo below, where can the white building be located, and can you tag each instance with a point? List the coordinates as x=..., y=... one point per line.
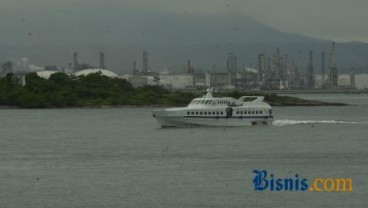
x=180, y=81
x=220, y=80
x=140, y=81
x=344, y=81
x=361, y=81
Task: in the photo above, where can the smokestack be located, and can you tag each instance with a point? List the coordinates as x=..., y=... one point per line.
x=135, y=71
x=333, y=69
x=310, y=73
x=102, y=60
x=145, y=62
x=323, y=69
x=189, y=67
x=75, y=61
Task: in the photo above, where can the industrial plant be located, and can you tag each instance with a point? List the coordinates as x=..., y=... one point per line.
x=272, y=72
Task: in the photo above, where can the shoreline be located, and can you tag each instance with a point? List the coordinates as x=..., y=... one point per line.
x=311, y=104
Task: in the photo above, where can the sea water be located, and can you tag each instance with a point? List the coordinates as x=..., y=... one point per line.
x=122, y=158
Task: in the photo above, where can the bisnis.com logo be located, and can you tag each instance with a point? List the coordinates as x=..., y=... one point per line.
x=262, y=181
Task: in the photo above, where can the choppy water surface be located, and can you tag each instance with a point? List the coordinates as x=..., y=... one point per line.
x=121, y=158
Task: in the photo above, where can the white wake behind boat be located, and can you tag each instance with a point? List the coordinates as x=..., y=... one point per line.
x=216, y=111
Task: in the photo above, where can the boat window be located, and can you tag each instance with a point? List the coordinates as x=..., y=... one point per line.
x=253, y=112
x=217, y=113
x=222, y=113
x=205, y=113
x=192, y=113
x=201, y=113
x=188, y=113
x=196, y=113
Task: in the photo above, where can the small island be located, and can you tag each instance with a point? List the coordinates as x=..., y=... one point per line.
x=95, y=90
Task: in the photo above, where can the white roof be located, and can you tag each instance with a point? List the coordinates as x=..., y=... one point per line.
x=45, y=74
x=92, y=71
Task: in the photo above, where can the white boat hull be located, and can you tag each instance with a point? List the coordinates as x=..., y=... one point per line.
x=187, y=121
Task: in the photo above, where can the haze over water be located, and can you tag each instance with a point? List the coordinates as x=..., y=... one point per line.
x=122, y=158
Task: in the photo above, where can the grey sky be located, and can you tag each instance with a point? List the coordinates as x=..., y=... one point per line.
x=340, y=20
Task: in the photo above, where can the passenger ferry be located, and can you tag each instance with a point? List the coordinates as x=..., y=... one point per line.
x=215, y=111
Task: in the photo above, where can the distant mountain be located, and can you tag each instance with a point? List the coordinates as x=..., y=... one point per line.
x=172, y=39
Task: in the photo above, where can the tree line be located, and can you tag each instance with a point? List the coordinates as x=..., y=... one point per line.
x=96, y=90
x=62, y=90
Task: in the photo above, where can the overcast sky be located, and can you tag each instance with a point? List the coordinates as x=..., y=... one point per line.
x=340, y=20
